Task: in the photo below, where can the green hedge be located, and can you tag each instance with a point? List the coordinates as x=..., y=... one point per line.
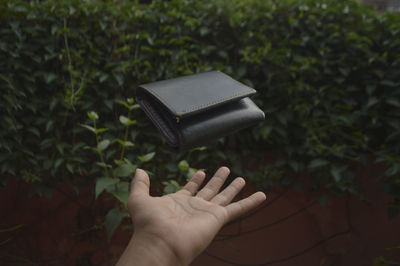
x=327, y=73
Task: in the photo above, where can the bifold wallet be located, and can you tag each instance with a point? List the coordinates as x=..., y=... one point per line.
x=194, y=110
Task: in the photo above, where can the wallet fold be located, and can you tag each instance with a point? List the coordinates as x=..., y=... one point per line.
x=194, y=110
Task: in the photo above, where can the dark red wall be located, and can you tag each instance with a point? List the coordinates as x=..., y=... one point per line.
x=289, y=229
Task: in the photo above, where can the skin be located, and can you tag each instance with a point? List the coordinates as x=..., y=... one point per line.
x=175, y=228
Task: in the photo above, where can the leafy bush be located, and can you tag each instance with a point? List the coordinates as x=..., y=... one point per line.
x=326, y=71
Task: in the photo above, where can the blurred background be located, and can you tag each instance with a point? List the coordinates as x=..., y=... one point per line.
x=327, y=155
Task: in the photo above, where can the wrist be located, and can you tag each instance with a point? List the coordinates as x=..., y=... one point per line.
x=149, y=249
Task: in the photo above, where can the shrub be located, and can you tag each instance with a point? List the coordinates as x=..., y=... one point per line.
x=326, y=71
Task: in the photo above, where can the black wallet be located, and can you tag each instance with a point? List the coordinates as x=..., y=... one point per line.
x=194, y=110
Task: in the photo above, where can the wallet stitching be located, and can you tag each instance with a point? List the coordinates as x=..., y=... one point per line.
x=199, y=106
x=213, y=102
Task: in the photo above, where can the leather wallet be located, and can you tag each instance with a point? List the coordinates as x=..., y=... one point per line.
x=194, y=110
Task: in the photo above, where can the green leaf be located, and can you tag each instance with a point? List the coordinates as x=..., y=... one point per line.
x=104, y=182
x=147, y=157
x=394, y=102
x=119, y=162
x=95, y=149
x=133, y=166
x=123, y=119
x=316, y=163
x=370, y=88
x=124, y=170
x=126, y=121
x=171, y=186
x=89, y=128
x=125, y=104
x=128, y=144
x=372, y=101
x=60, y=148
x=104, y=165
x=70, y=168
x=120, y=191
x=336, y=173
x=394, y=169
x=100, y=130
x=109, y=104
x=119, y=78
x=389, y=83
x=49, y=125
x=124, y=143
x=202, y=148
x=296, y=166
x=34, y=131
x=50, y=77
x=380, y=261
x=396, y=248
x=134, y=106
x=183, y=166
x=103, y=144
x=191, y=172
x=120, y=141
x=58, y=162
x=113, y=220
x=93, y=115
x=103, y=78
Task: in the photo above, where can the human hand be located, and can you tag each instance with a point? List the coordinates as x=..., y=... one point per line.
x=175, y=228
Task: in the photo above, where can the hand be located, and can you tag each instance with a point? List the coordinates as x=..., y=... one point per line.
x=175, y=228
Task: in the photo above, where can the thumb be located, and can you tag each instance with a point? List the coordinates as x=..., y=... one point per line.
x=140, y=184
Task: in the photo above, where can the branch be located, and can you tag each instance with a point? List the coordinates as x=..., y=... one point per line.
x=225, y=237
x=300, y=253
x=258, y=209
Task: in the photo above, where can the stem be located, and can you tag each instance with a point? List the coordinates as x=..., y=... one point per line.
x=134, y=58
x=180, y=172
x=99, y=152
x=74, y=94
x=188, y=157
x=180, y=177
x=125, y=136
x=69, y=65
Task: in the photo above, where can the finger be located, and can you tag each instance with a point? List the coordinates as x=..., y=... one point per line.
x=140, y=184
x=194, y=183
x=212, y=187
x=238, y=208
x=227, y=195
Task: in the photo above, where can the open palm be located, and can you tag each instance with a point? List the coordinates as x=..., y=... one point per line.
x=187, y=221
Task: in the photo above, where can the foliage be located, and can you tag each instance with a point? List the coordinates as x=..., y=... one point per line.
x=326, y=72
x=381, y=261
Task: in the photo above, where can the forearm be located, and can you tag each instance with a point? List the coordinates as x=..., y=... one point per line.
x=144, y=250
